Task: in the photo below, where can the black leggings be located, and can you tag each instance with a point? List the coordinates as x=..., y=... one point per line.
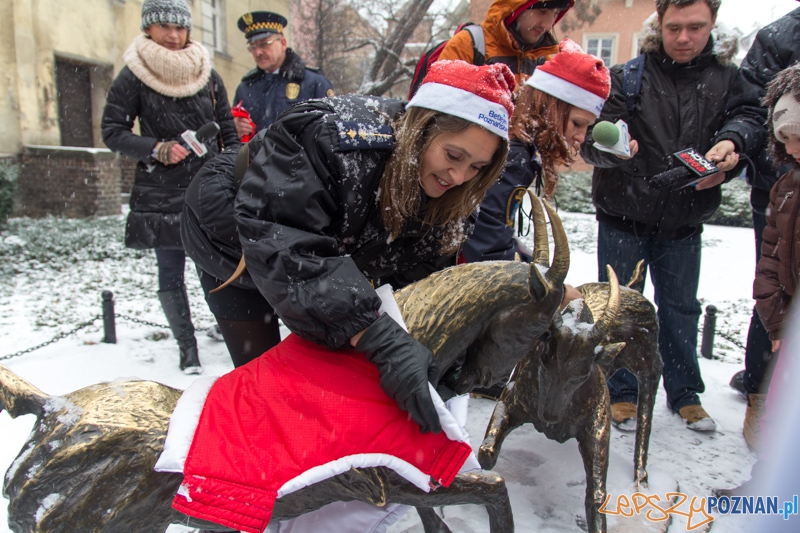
x=247, y=322
x=171, y=263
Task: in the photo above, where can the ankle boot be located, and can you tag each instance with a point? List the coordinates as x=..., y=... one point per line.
x=756, y=405
x=176, y=308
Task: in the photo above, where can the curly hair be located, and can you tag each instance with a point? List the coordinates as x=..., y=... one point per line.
x=401, y=190
x=786, y=81
x=663, y=5
x=541, y=119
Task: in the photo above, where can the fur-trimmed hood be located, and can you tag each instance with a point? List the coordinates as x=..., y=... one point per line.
x=726, y=44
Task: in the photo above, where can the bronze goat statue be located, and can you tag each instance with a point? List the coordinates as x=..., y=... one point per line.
x=560, y=386
x=88, y=465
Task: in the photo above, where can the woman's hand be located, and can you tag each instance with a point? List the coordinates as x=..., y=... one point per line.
x=776, y=345
x=170, y=152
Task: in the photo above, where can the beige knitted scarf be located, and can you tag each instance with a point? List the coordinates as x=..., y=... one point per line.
x=176, y=73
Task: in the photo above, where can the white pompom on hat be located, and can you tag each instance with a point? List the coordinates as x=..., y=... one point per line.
x=478, y=94
x=572, y=75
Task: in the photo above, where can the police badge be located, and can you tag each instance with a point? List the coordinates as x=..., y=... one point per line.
x=292, y=91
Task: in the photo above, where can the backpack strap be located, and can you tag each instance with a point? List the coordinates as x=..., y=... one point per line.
x=478, y=43
x=632, y=82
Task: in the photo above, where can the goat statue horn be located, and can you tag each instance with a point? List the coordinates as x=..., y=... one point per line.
x=557, y=272
x=603, y=326
x=541, y=248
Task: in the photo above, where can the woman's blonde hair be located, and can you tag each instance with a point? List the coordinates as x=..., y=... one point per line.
x=401, y=193
x=541, y=119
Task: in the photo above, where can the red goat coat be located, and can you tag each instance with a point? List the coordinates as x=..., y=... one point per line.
x=298, y=407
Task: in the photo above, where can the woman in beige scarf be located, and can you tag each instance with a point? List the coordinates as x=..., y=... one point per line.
x=168, y=84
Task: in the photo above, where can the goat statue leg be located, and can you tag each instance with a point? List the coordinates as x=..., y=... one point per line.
x=593, y=443
x=648, y=388
x=502, y=422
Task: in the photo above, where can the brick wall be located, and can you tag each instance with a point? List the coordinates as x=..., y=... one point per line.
x=69, y=182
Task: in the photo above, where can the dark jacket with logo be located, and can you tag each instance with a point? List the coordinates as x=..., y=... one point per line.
x=680, y=106
x=157, y=195
x=309, y=221
x=266, y=95
x=493, y=237
x=779, y=267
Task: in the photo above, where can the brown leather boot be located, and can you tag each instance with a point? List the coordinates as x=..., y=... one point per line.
x=623, y=416
x=696, y=418
x=756, y=405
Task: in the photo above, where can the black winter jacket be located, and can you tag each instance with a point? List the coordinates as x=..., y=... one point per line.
x=775, y=47
x=680, y=106
x=493, y=237
x=157, y=197
x=310, y=225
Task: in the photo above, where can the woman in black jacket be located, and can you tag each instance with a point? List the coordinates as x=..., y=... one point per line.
x=169, y=86
x=349, y=193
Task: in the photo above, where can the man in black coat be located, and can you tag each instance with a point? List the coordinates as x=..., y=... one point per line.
x=663, y=226
x=280, y=79
x=776, y=47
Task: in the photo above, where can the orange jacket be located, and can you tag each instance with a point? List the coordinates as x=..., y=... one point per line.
x=500, y=45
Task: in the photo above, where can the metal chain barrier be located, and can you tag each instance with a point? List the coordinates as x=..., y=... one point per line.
x=54, y=339
x=109, y=328
x=143, y=322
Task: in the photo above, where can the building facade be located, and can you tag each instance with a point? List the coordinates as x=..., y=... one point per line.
x=59, y=57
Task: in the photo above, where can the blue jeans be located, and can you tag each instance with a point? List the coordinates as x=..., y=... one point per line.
x=675, y=269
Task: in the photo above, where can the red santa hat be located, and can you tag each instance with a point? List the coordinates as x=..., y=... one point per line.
x=478, y=94
x=575, y=77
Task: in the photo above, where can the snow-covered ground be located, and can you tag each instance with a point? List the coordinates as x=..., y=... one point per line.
x=50, y=294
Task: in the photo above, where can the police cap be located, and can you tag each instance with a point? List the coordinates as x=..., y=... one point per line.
x=259, y=24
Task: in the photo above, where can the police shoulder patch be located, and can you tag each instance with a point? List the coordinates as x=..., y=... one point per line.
x=360, y=136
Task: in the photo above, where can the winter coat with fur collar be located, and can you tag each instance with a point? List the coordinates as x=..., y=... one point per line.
x=157, y=197
x=680, y=106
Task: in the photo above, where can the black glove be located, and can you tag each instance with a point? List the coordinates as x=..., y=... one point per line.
x=405, y=367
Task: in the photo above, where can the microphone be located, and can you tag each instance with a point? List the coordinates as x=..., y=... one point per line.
x=612, y=138
x=605, y=133
x=195, y=140
x=694, y=168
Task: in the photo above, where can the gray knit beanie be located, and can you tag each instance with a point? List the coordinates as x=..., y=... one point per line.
x=166, y=12
x=786, y=116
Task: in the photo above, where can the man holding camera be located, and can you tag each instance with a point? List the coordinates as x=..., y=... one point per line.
x=686, y=78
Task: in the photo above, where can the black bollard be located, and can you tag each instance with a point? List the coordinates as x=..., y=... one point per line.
x=109, y=325
x=709, y=329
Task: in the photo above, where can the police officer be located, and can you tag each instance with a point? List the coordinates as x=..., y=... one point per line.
x=280, y=79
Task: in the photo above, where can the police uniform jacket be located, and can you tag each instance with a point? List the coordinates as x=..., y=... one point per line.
x=265, y=95
x=158, y=190
x=493, y=236
x=310, y=225
x=680, y=106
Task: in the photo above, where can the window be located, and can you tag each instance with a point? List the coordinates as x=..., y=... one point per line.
x=602, y=46
x=212, y=25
